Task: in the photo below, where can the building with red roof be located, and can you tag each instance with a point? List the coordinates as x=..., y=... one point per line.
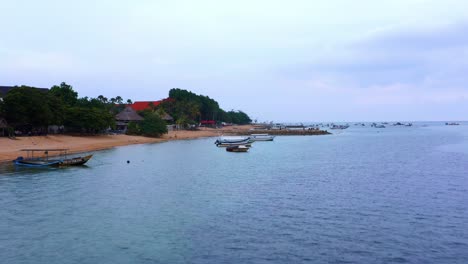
x=142, y=105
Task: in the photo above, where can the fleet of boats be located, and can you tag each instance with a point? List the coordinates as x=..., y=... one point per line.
x=49, y=158
x=59, y=157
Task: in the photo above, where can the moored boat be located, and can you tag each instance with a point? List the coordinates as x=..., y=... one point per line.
x=339, y=126
x=232, y=141
x=59, y=158
x=240, y=148
x=261, y=137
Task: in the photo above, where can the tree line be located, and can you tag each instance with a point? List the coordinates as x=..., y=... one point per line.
x=189, y=108
x=31, y=110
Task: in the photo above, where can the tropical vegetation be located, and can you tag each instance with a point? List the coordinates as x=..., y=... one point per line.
x=189, y=108
x=30, y=110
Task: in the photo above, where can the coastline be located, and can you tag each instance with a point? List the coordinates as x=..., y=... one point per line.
x=10, y=148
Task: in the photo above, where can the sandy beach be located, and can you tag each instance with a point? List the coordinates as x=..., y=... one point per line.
x=10, y=148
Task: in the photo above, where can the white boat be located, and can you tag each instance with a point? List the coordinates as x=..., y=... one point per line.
x=261, y=137
x=232, y=141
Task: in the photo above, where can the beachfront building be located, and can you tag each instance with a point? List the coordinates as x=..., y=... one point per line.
x=125, y=117
x=144, y=105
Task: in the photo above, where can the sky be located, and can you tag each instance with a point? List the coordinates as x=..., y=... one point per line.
x=281, y=61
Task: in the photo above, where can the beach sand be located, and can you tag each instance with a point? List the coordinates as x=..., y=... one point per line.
x=10, y=148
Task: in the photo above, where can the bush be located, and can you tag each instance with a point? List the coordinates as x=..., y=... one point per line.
x=133, y=129
x=153, y=126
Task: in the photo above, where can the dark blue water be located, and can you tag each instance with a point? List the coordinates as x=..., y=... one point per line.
x=394, y=195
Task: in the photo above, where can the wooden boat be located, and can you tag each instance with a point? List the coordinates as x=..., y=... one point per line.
x=35, y=163
x=240, y=148
x=40, y=158
x=75, y=161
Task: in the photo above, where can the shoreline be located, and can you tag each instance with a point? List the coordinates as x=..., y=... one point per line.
x=10, y=148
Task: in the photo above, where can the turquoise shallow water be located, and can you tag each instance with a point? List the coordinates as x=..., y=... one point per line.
x=394, y=195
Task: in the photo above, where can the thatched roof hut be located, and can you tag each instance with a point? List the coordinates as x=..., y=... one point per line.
x=166, y=117
x=128, y=115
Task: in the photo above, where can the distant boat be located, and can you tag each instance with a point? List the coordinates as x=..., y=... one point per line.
x=378, y=125
x=232, y=141
x=452, y=124
x=339, y=126
x=33, y=159
x=261, y=137
x=240, y=148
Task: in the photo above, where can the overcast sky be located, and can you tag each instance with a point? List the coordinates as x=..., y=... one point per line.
x=330, y=60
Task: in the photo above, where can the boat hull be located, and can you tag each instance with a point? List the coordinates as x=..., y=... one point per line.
x=241, y=148
x=261, y=137
x=75, y=161
x=37, y=163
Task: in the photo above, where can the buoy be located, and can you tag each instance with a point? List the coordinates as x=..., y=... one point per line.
x=128, y=161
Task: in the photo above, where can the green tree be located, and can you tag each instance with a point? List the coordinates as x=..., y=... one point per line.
x=27, y=106
x=65, y=92
x=133, y=129
x=186, y=106
x=88, y=120
x=153, y=126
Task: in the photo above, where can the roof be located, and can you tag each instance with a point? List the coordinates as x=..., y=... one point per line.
x=5, y=89
x=142, y=105
x=167, y=117
x=128, y=114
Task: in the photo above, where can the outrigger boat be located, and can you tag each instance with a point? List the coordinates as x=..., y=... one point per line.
x=33, y=159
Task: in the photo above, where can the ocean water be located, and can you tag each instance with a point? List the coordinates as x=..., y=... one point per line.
x=361, y=195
